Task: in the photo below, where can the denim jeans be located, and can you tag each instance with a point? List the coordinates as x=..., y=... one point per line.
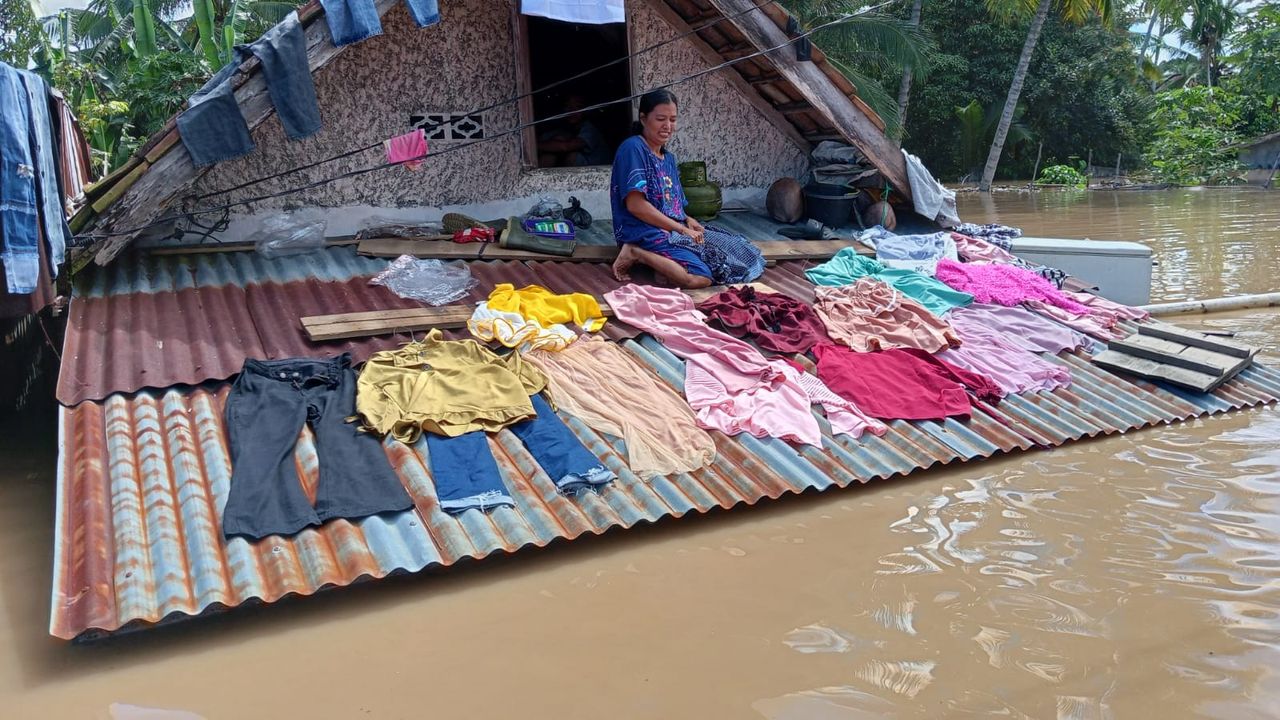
x=355, y=20
x=45, y=152
x=467, y=477
x=269, y=404
x=212, y=127
x=19, y=216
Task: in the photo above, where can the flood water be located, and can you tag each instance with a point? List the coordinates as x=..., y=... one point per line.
x=1207, y=242
x=1127, y=577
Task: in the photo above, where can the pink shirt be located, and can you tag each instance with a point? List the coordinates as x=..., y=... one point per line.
x=991, y=352
x=728, y=383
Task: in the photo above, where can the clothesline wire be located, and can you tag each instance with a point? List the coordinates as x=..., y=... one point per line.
x=431, y=125
x=518, y=128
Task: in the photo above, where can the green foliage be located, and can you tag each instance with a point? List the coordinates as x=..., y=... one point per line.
x=1082, y=91
x=1195, y=132
x=871, y=50
x=1257, y=80
x=1062, y=175
x=19, y=31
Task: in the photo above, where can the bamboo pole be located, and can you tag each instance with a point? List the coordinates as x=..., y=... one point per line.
x=1222, y=304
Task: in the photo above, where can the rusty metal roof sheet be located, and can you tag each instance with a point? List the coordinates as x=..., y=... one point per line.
x=142, y=479
x=183, y=320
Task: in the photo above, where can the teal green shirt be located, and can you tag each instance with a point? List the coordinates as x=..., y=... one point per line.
x=847, y=266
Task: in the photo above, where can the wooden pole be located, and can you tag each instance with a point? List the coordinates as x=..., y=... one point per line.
x=1116, y=177
x=1267, y=185
x=1088, y=168
x=1036, y=170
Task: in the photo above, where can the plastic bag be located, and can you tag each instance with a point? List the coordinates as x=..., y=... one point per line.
x=430, y=281
x=547, y=207
x=290, y=233
x=577, y=214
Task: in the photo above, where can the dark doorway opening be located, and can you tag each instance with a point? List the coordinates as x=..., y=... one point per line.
x=558, y=50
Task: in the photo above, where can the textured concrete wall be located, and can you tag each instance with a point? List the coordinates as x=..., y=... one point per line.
x=369, y=91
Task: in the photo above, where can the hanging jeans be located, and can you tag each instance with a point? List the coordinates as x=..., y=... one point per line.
x=269, y=403
x=212, y=127
x=467, y=476
x=19, y=213
x=355, y=20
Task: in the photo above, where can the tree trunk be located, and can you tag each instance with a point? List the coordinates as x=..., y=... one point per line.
x=1015, y=89
x=904, y=89
x=1146, y=40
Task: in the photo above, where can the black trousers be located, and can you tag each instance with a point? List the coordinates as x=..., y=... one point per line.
x=268, y=405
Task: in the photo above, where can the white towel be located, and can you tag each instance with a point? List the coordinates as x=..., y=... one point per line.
x=591, y=12
x=931, y=199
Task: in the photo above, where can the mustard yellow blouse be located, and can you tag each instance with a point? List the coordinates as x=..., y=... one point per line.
x=448, y=387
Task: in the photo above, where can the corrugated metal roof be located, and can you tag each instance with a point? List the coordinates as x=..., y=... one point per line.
x=183, y=320
x=142, y=480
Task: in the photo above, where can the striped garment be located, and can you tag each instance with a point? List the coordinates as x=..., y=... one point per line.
x=732, y=258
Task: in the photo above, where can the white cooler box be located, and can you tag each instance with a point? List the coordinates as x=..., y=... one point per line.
x=1121, y=270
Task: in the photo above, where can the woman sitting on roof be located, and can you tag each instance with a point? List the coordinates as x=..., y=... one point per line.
x=649, y=222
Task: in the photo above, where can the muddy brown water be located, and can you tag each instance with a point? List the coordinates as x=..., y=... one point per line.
x=1128, y=577
x=1207, y=242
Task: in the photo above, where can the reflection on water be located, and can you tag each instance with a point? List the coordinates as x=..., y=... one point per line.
x=1207, y=242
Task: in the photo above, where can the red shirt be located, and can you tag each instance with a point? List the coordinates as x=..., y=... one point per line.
x=902, y=384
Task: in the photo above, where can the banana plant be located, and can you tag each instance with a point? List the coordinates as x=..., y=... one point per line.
x=204, y=17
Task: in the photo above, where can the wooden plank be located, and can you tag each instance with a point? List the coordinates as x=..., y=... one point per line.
x=230, y=247
x=744, y=88
x=1200, y=382
x=821, y=91
x=524, y=84
x=1172, y=353
x=1166, y=331
x=772, y=250
x=121, y=186
x=323, y=328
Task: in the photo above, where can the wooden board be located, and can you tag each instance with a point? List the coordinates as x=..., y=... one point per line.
x=1165, y=331
x=773, y=250
x=322, y=328
x=1142, y=367
x=1175, y=353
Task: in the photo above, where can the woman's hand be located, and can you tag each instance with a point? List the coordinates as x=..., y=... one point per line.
x=696, y=231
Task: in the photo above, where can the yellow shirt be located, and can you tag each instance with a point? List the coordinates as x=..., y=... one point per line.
x=535, y=302
x=448, y=387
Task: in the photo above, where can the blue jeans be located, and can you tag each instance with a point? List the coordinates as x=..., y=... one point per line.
x=212, y=127
x=355, y=20
x=54, y=219
x=467, y=476
x=19, y=217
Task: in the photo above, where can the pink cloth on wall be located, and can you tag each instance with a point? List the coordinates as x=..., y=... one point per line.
x=1004, y=285
x=1029, y=330
x=991, y=352
x=728, y=383
x=972, y=249
x=408, y=149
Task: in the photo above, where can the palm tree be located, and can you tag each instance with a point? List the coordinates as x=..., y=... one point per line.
x=1070, y=10
x=1211, y=21
x=1163, y=12
x=904, y=88
x=867, y=47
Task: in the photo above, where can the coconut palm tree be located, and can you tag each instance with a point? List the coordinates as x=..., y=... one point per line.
x=867, y=47
x=904, y=87
x=1211, y=21
x=1070, y=10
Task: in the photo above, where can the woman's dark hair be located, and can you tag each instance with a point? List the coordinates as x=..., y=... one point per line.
x=651, y=100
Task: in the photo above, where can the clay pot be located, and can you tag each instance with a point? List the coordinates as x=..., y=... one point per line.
x=785, y=201
x=880, y=213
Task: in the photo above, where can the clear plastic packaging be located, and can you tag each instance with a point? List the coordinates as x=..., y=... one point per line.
x=430, y=281
x=290, y=233
x=547, y=207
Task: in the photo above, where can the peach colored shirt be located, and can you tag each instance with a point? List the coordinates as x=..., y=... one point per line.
x=870, y=315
